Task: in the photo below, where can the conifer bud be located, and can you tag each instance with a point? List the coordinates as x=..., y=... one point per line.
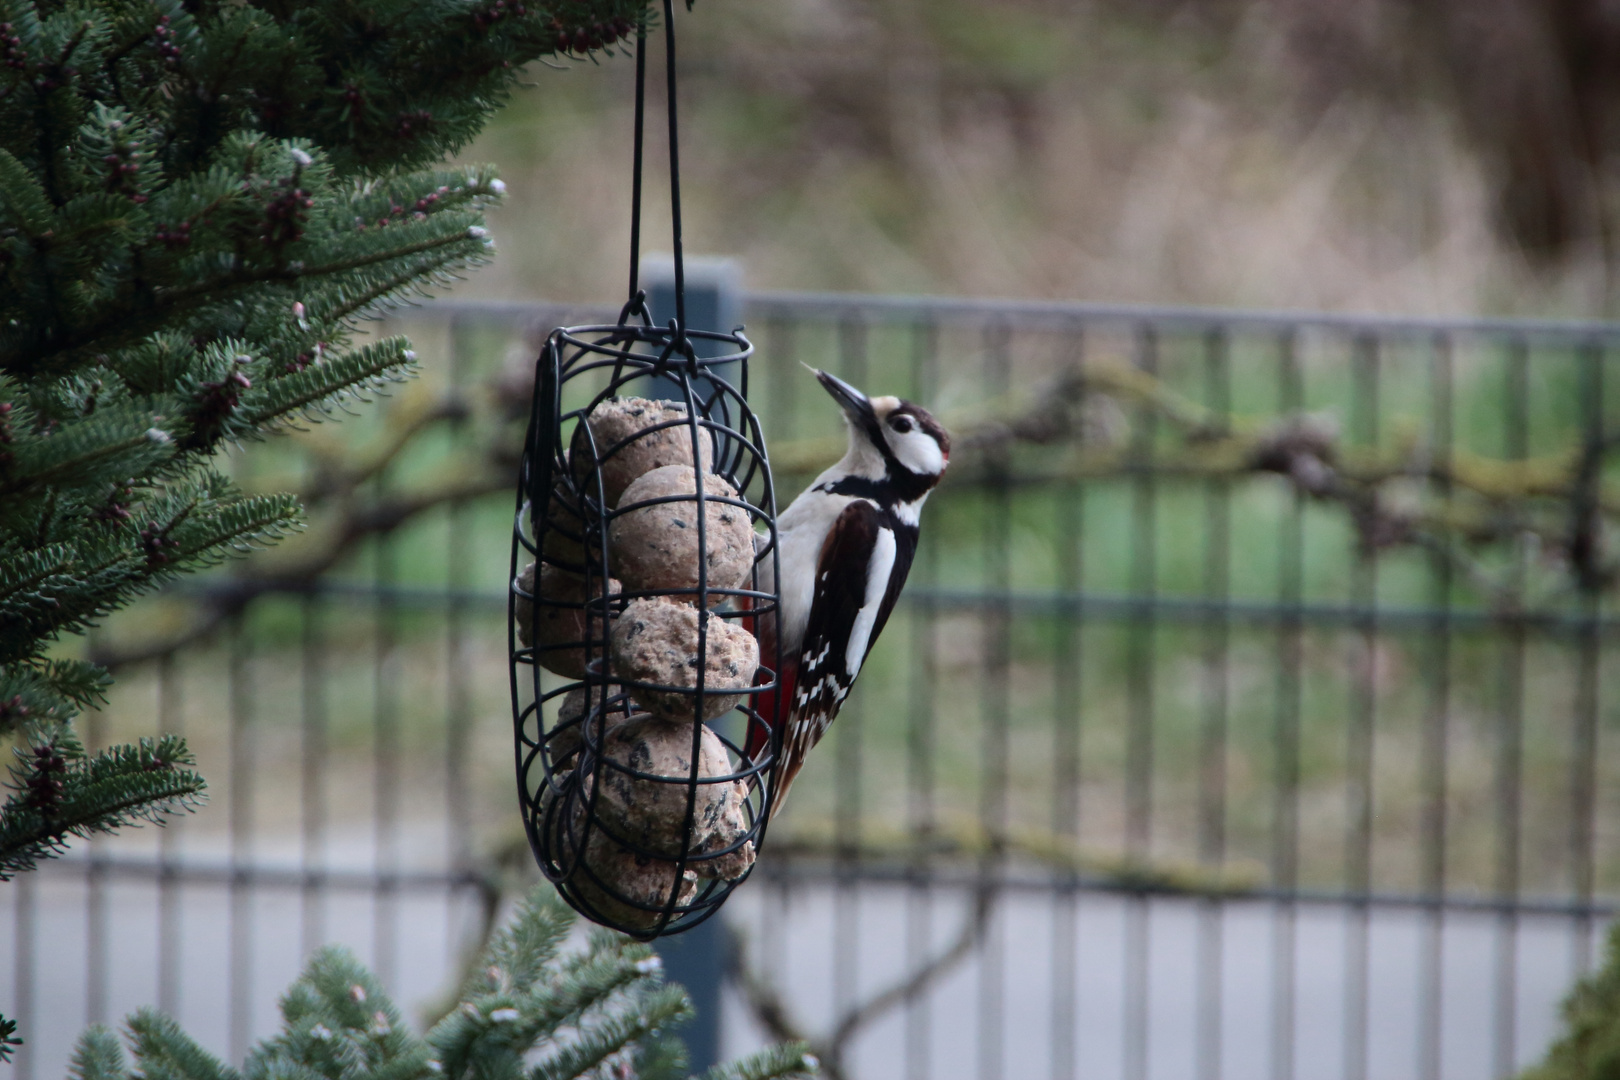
x=12, y=53
x=44, y=787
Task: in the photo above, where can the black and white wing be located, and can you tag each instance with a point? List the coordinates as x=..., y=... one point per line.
x=863, y=564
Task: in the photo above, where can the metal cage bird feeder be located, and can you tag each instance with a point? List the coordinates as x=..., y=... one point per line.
x=644, y=555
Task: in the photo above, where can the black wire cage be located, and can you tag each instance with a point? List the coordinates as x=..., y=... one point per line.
x=644, y=559
x=639, y=803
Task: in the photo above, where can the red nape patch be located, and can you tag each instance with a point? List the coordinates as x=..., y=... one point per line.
x=774, y=706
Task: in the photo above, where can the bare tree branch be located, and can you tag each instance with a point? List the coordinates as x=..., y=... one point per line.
x=773, y=1014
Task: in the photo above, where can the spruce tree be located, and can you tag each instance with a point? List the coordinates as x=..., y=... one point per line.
x=1589, y=1046
x=200, y=200
x=531, y=1011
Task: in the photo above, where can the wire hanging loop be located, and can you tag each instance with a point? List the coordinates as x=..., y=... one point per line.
x=674, y=167
x=638, y=297
x=637, y=305
x=644, y=560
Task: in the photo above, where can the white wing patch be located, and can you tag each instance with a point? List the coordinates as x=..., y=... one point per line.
x=878, y=569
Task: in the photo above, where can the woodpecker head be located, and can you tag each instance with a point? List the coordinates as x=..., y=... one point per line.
x=891, y=440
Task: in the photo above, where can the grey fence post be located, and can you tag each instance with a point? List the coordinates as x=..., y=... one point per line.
x=697, y=959
x=713, y=302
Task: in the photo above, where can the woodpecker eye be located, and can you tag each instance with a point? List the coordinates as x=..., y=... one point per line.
x=901, y=424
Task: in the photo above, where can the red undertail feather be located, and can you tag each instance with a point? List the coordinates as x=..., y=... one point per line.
x=774, y=706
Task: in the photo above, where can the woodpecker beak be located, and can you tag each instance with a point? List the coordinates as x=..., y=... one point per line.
x=855, y=403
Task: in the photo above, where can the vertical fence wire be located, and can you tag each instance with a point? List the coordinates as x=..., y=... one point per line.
x=770, y=959
x=852, y=364
x=783, y=344
x=1509, y=778
x=458, y=649
x=1286, y=733
x=385, y=727
x=1068, y=718
x=95, y=908
x=1141, y=660
x=312, y=737
x=1583, y=740
x=170, y=721
x=1436, y=722
x=1212, y=737
x=921, y=743
x=994, y=708
x=239, y=782
x=1360, y=728
x=24, y=928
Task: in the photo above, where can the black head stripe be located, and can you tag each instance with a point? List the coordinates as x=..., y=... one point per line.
x=900, y=484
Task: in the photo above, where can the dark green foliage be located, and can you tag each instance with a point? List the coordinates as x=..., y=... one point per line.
x=1589, y=1048
x=532, y=1013
x=8, y=1039
x=200, y=203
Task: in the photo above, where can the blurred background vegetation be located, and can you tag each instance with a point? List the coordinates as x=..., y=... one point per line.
x=1373, y=155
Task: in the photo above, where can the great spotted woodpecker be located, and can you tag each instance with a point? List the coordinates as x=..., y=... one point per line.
x=846, y=547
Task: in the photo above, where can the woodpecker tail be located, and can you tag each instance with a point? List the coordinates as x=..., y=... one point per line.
x=775, y=707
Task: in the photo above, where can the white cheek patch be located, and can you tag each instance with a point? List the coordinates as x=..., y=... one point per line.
x=917, y=451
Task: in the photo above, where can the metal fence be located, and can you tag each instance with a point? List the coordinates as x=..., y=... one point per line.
x=1247, y=714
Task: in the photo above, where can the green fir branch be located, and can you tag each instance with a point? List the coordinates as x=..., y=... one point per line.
x=521, y=954
x=165, y=1052
x=126, y=442
x=785, y=1060
x=338, y=1024
x=8, y=1038
x=22, y=198
x=28, y=577
x=658, y=1010
x=143, y=782
x=1589, y=1046
x=98, y=1056
x=36, y=696
x=217, y=528
x=82, y=683
x=314, y=390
